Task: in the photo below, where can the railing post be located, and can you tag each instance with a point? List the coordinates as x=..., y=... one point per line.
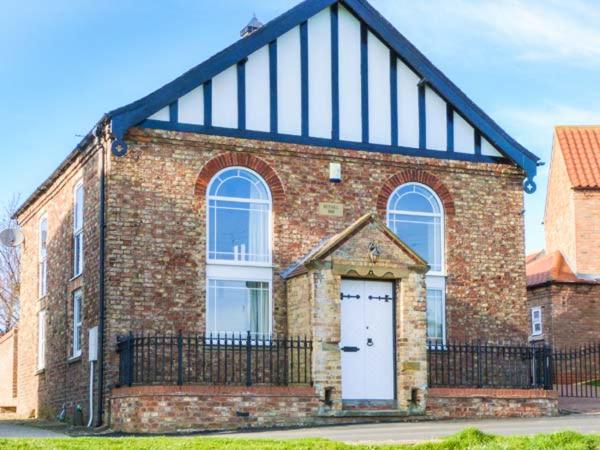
x=179, y=358
x=130, y=341
x=549, y=373
x=248, y=359
x=479, y=366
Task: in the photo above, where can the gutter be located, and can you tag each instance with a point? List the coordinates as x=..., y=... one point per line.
x=101, y=285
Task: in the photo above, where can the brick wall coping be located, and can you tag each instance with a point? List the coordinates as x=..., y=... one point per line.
x=233, y=391
x=491, y=393
x=6, y=336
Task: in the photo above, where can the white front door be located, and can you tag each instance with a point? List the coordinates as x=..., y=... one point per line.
x=367, y=341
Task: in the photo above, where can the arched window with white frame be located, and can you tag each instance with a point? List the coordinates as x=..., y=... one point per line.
x=239, y=261
x=416, y=215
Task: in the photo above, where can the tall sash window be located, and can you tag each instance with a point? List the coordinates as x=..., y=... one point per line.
x=239, y=271
x=415, y=214
x=78, y=229
x=43, y=257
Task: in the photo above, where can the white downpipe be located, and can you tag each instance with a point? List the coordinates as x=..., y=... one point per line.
x=91, y=395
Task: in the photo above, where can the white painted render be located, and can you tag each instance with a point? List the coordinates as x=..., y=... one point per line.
x=163, y=115
x=191, y=107
x=408, y=106
x=435, y=111
x=258, y=104
x=289, y=99
x=320, y=87
x=464, y=135
x=349, y=77
x=319, y=75
x=224, y=99
x=379, y=92
x=488, y=149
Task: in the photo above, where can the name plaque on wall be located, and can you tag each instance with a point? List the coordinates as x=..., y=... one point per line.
x=331, y=209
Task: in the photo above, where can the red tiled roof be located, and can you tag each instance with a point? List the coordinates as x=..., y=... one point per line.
x=580, y=147
x=542, y=268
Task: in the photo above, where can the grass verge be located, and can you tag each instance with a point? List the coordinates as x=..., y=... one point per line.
x=469, y=439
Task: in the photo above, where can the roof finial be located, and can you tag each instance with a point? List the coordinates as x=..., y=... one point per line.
x=252, y=26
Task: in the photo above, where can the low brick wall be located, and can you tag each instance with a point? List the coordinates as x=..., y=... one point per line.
x=164, y=409
x=8, y=370
x=446, y=403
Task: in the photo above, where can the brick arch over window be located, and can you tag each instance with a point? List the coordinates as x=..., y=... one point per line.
x=414, y=176
x=220, y=162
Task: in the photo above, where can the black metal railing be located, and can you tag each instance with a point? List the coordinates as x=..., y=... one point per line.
x=489, y=366
x=215, y=359
x=577, y=371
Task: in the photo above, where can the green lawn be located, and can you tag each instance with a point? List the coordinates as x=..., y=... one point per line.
x=469, y=439
x=593, y=383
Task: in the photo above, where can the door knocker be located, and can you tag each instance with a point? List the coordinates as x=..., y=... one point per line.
x=370, y=342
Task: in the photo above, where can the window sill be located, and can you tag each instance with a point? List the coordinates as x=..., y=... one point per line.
x=43, y=297
x=75, y=277
x=219, y=262
x=537, y=338
x=74, y=359
x=40, y=371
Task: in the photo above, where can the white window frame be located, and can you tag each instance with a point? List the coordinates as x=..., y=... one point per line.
x=42, y=258
x=436, y=283
x=41, y=353
x=77, y=335
x=439, y=215
x=434, y=280
x=221, y=270
x=78, y=243
x=269, y=262
x=534, y=322
x=221, y=273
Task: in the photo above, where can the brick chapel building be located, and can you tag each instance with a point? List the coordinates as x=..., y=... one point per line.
x=564, y=280
x=320, y=177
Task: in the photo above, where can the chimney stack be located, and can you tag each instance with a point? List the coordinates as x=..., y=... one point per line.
x=252, y=26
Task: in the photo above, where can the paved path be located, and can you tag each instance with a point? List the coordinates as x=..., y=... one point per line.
x=13, y=430
x=423, y=431
x=580, y=405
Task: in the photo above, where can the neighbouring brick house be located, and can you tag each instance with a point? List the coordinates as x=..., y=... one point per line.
x=564, y=280
x=317, y=168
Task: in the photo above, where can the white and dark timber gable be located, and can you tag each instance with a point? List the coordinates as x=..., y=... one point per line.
x=328, y=73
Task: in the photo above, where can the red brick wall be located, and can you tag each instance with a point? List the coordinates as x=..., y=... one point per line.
x=163, y=409
x=571, y=313
x=559, y=220
x=587, y=229
x=155, y=240
x=63, y=381
x=460, y=403
x=156, y=228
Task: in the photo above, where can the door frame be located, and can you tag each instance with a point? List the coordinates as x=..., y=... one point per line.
x=394, y=283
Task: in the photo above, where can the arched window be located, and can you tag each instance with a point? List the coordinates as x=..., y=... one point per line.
x=415, y=214
x=239, y=272
x=239, y=213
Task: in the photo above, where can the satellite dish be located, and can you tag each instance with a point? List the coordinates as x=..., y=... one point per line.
x=11, y=237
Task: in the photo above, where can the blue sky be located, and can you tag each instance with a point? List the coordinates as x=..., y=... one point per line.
x=529, y=64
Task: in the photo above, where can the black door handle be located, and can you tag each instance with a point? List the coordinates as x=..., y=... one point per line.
x=370, y=342
x=350, y=349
